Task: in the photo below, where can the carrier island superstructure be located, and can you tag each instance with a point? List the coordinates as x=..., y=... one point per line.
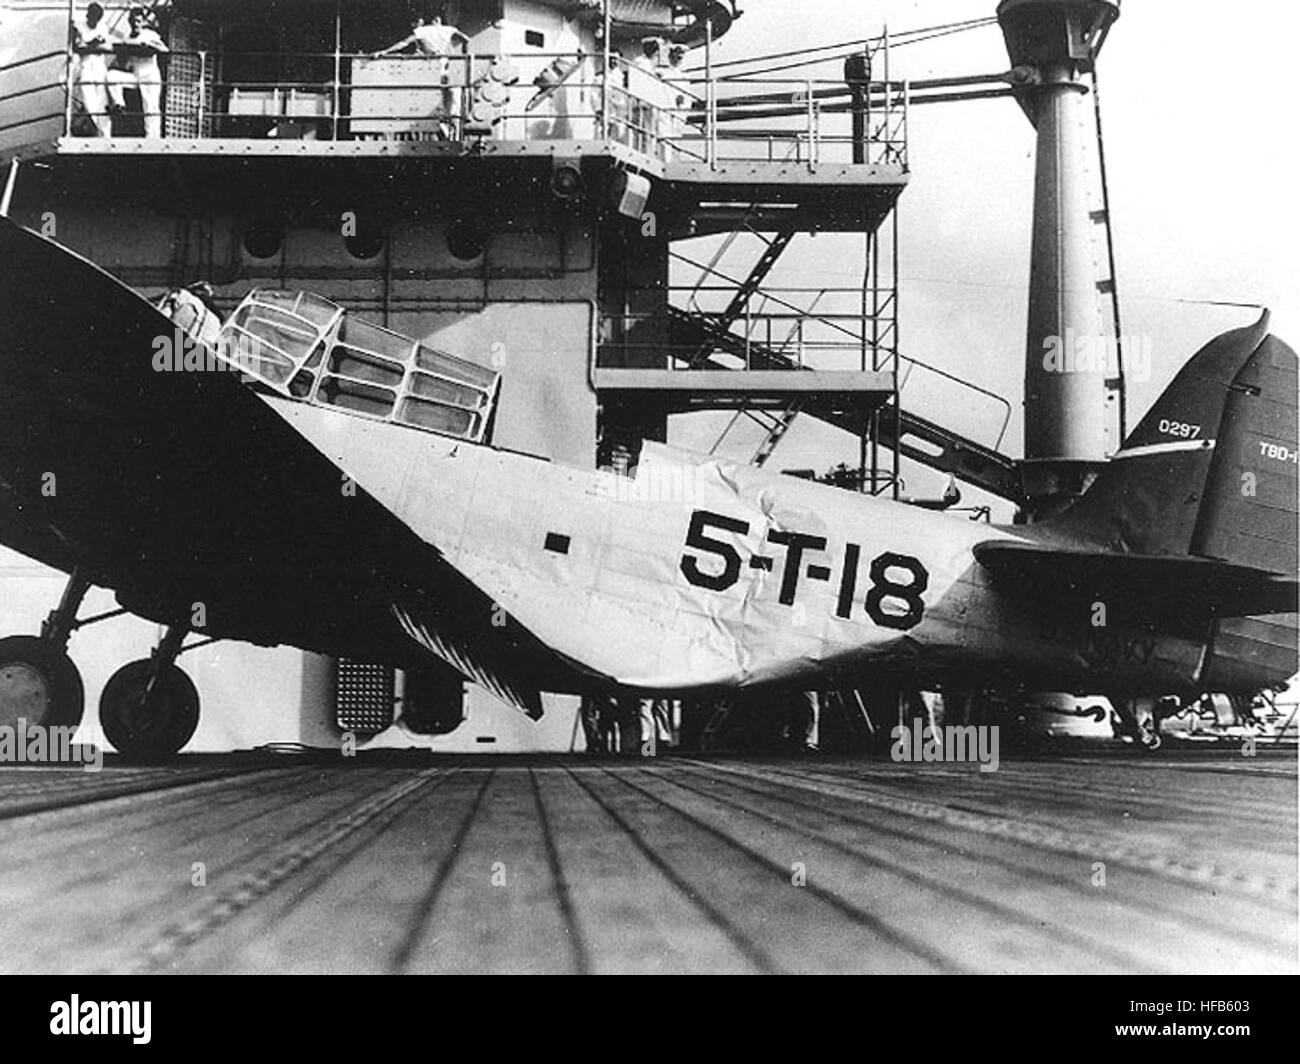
x=526, y=201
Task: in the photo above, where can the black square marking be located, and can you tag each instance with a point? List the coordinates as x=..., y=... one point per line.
x=818, y=572
x=557, y=543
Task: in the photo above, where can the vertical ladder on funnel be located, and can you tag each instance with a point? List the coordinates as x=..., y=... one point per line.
x=1108, y=284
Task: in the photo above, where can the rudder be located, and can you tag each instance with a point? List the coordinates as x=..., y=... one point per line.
x=1211, y=469
x=1250, y=509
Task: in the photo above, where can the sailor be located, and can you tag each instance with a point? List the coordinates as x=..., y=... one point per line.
x=194, y=311
x=677, y=103
x=814, y=701
x=589, y=716
x=138, y=52
x=648, y=60
x=432, y=40
x=645, y=93
x=93, y=44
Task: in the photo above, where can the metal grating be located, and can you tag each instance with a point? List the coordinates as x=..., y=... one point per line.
x=365, y=696
x=188, y=110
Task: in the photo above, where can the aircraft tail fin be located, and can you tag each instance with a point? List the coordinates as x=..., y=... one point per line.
x=1211, y=471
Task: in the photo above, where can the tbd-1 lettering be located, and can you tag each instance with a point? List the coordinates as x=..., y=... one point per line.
x=884, y=589
x=1279, y=453
x=450, y=557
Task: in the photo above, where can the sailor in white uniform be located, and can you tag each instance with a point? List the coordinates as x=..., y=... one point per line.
x=431, y=39
x=93, y=45
x=140, y=49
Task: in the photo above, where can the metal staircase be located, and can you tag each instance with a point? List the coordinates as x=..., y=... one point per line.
x=917, y=438
x=774, y=423
x=776, y=426
x=949, y=452
x=773, y=249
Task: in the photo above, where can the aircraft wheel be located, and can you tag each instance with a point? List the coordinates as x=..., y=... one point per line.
x=156, y=726
x=38, y=683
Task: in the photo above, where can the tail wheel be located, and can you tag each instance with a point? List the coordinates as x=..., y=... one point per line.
x=153, y=723
x=39, y=684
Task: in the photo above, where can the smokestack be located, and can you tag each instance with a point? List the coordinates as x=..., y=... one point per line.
x=1052, y=44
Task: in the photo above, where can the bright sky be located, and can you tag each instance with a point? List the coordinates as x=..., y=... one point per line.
x=1201, y=147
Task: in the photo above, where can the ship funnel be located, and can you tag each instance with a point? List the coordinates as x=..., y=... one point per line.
x=1052, y=44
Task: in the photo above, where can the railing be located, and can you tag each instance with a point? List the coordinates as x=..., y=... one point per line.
x=817, y=327
x=561, y=96
x=806, y=107
x=804, y=328
x=778, y=327
x=780, y=334
x=810, y=327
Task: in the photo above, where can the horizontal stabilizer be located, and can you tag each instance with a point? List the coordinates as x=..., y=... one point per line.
x=1188, y=585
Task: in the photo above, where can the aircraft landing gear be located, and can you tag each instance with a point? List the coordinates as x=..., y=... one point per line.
x=1137, y=719
x=38, y=681
x=150, y=708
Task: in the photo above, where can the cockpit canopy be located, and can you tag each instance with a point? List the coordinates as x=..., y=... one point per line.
x=307, y=348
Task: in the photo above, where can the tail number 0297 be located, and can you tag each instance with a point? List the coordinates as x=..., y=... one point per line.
x=896, y=581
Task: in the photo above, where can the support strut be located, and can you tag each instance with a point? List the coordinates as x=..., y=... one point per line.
x=58, y=627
